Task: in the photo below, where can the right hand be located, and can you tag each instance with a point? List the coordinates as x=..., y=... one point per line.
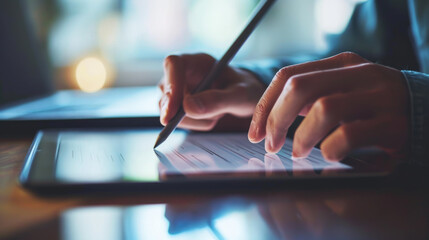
x=235, y=92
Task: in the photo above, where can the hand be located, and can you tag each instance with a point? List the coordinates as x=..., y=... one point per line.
x=352, y=102
x=236, y=92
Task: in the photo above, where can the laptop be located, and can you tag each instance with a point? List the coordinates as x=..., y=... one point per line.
x=28, y=101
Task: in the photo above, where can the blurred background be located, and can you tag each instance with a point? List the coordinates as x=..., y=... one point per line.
x=123, y=42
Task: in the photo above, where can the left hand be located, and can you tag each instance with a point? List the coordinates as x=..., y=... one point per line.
x=347, y=99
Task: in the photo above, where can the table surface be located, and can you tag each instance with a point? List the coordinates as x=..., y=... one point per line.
x=352, y=213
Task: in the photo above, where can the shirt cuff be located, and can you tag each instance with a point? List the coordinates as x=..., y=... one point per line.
x=418, y=84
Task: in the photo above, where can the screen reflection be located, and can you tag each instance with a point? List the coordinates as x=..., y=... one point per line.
x=232, y=218
x=345, y=214
x=200, y=155
x=106, y=156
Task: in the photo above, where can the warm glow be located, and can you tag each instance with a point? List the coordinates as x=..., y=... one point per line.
x=91, y=74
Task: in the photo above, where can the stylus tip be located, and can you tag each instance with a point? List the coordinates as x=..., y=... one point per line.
x=158, y=142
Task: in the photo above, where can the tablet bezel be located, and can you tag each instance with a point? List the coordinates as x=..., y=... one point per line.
x=38, y=174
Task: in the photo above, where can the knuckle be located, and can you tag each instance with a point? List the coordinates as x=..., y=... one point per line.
x=198, y=58
x=206, y=56
x=261, y=107
x=295, y=85
x=240, y=88
x=171, y=60
x=276, y=83
x=215, y=101
x=377, y=74
x=324, y=107
x=282, y=76
x=284, y=73
x=350, y=56
x=370, y=66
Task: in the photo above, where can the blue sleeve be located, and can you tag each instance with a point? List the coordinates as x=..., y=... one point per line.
x=419, y=82
x=265, y=69
x=419, y=15
x=375, y=31
x=419, y=97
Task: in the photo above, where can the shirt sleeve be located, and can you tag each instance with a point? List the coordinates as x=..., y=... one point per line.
x=419, y=17
x=419, y=88
x=266, y=69
x=376, y=28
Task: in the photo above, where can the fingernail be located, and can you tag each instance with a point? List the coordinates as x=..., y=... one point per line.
x=164, y=115
x=164, y=102
x=298, y=151
x=269, y=143
x=196, y=104
x=164, y=109
x=333, y=158
x=296, y=154
x=253, y=131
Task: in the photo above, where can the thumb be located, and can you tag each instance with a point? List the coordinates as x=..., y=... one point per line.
x=215, y=102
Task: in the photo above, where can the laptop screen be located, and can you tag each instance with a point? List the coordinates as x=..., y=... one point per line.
x=24, y=72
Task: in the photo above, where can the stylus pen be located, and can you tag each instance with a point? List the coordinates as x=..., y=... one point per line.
x=218, y=67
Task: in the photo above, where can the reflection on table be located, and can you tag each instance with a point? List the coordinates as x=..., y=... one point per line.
x=299, y=215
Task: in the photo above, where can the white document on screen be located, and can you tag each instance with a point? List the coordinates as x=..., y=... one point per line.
x=233, y=153
x=129, y=155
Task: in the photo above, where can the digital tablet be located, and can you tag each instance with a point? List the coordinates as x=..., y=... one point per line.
x=108, y=160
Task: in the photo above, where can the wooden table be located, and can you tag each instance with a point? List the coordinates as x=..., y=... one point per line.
x=376, y=213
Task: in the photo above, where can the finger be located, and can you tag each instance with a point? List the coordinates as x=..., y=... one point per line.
x=163, y=108
x=304, y=89
x=173, y=88
x=215, y=102
x=389, y=132
x=328, y=112
x=266, y=103
x=197, y=66
x=182, y=75
x=198, y=124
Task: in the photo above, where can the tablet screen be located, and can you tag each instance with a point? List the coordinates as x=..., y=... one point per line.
x=129, y=155
x=116, y=156
x=202, y=154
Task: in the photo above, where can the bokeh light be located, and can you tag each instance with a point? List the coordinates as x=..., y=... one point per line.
x=91, y=74
x=217, y=22
x=333, y=15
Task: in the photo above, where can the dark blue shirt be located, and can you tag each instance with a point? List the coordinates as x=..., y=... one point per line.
x=389, y=32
